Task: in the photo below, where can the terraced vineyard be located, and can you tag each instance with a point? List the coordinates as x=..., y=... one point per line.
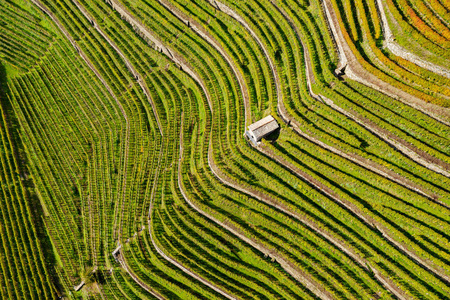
x=125, y=172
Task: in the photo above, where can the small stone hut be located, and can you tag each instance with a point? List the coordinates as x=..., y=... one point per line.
x=261, y=128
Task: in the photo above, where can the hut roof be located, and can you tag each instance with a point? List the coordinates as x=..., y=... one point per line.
x=263, y=127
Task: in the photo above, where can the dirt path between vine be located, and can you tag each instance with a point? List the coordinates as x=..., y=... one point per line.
x=123, y=262
x=354, y=70
x=398, y=50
